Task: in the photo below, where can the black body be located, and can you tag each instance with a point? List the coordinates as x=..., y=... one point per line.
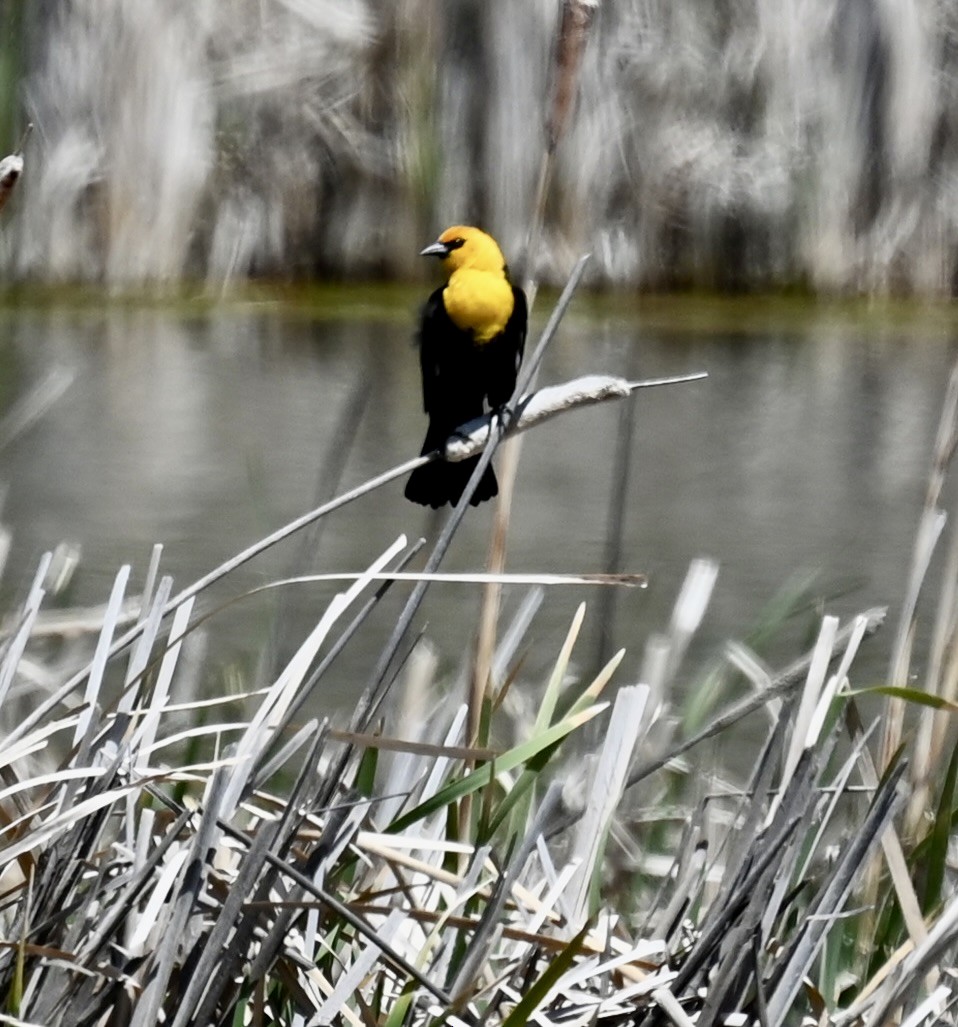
x=458, y=376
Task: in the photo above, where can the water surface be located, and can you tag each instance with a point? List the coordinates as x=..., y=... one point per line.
x=806, y=449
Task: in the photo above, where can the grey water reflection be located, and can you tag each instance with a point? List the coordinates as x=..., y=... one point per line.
x=806, y=448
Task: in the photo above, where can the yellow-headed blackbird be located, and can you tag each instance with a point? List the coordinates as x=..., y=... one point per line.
x=471, y=338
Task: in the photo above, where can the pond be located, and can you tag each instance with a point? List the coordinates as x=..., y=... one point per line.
x=805, y=451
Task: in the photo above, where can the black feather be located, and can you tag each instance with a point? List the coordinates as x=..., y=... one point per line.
x=458, y=376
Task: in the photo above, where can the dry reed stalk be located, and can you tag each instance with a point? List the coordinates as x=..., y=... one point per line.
x=893, y=852
x=940, y=680
x=492, y=594
x=929, y=530
x=575, y=21
x=930, y=526
x=948, y=684
x=615, y=521
x=782, y=684
x=328, y=479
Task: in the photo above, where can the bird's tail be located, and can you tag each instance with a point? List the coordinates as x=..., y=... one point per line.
x=442, y=482
x=439, y=483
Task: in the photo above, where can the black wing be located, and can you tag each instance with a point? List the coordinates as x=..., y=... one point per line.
x=434, y=328
x=453, y=384
x=506, y=357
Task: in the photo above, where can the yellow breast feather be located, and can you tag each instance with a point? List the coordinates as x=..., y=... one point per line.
x=480, y=302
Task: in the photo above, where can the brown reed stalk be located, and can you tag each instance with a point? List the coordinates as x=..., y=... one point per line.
x=573, y=33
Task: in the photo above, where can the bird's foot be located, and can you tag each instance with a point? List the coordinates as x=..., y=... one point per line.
x=504, y=418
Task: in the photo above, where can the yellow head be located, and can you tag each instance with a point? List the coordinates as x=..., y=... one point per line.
x=465, y=247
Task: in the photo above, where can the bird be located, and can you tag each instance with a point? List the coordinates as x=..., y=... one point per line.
x=472, y=334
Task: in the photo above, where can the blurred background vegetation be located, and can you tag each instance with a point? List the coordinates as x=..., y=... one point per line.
x=737, y=145
x=734, y=145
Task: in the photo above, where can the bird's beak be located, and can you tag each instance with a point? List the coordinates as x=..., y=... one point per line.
x=436, y=249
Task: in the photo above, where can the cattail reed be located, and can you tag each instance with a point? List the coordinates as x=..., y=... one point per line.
x=574, y=28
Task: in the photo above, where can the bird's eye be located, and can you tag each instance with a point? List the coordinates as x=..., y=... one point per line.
x=454, y=244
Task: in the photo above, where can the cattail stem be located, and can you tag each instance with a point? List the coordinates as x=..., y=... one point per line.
x=574, y=28
x=574, y=23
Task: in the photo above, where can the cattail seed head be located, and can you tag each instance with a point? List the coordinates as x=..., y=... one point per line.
x=574, y=27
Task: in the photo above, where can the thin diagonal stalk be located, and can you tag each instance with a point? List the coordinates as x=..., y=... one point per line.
x=306, y=519
x=573, y=32
x=212, y=577
x=929, y=529
x=340, y=909
x=370, y=700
